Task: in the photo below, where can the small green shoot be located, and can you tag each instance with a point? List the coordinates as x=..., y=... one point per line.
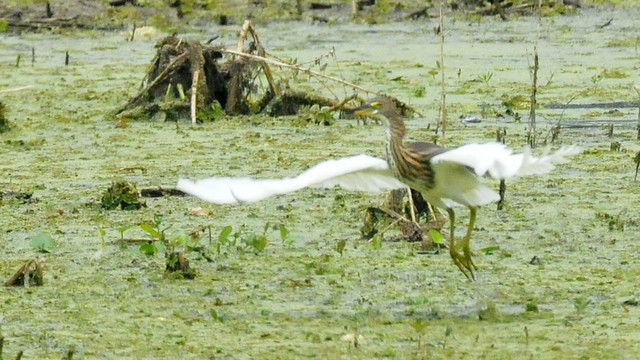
x=43, y=242
x=102, y=234
x=419, y=325
x=340, y=246
x=216, y=316
x=581, y=304
x=258, y=241
x=121, y=230
x=485, y=78
x=376, y=241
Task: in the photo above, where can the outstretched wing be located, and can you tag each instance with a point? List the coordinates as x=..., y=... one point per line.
x=500, y=162
x=361, y=172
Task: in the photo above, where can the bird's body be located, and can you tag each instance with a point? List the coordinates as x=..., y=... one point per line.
x=445, y=177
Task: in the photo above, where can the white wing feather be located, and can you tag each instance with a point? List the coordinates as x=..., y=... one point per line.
x=499, y=162
x=361, y=172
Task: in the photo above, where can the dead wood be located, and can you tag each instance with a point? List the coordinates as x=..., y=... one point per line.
x=28, y=274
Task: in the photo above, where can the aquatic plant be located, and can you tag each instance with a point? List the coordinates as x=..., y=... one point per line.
x=43, y=242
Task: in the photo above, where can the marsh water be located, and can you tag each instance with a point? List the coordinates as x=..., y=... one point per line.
x=299, y=297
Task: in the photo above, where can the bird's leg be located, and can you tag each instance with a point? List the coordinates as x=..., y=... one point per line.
x=413, y=208
x=464, y=244
x=457, y=258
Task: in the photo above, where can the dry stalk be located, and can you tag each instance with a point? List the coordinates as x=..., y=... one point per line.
x=194, y=93
x=16, y=89
x=443, y=104
x=534, y=86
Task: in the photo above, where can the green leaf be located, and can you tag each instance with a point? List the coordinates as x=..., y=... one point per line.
x=224, y=234
x=259, y=242
x=490, y=250
x=150, y=229
x=419, y=325
x=157, y=219
x=101, y=231
x=436, y=237
x=148, y=249
x=178, y=237
x=43, y=242
x=159, y=245
x=122, y=229
x=284, y=233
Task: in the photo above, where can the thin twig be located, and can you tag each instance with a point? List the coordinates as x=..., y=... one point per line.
x=340, y=104
x=299, y=68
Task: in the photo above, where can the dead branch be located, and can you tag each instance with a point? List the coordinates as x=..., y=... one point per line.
x=134, y=100
x=28, y=274
x=16, y=89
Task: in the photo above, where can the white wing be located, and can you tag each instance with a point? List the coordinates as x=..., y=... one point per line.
x=499, y=162
x=361, y=172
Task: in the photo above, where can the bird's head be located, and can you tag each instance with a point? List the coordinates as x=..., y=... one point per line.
x=382, y=106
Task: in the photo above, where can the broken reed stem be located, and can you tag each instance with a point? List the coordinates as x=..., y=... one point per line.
x=534, y=86
x=243, y=35
x=503, y=189
x=443, y=104
x=194, y=93
x=247, y=29
x=133, y=32
x=299, y=68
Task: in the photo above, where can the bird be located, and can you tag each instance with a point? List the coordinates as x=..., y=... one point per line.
x=446, y=178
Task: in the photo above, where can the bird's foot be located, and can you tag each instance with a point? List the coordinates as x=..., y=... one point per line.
x=467, y=254
x=463, y=262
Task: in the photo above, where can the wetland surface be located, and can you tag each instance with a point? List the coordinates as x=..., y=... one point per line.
x=299, y=297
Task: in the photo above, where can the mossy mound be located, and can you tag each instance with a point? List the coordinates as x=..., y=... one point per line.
x=123, y=194
x=4, y=123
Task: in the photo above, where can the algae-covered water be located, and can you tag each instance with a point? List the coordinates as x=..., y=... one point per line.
x=299, y=297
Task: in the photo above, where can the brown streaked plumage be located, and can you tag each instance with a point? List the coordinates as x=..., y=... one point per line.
x=411, y=164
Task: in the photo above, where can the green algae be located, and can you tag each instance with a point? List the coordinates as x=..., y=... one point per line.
x=304, y=299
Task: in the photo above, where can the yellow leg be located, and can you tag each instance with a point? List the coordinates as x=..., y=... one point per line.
x=458, y=259
x=413, y=208
x=464, y=243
